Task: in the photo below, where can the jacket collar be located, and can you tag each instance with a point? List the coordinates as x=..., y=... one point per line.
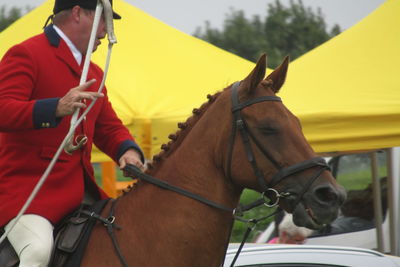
x=52, y=36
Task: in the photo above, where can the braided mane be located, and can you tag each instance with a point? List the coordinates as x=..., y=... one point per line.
x=179, y=136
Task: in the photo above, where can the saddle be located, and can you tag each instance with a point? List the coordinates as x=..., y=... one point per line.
x=8, y=256
x=72, y=236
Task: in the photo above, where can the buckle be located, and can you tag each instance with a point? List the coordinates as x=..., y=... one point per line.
x=269, y=202
x=240, y=123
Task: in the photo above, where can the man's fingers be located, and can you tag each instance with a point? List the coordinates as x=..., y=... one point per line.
x=89, y=95
x=78, y=105
x=137, y=164
x=141, y=166
x=122, y=164
x=85, y=86
x=78, y=93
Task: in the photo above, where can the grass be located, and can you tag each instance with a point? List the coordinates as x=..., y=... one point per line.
x=239, y=228
x=358, y=179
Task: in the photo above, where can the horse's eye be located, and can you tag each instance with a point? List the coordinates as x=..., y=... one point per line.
x=268, y=130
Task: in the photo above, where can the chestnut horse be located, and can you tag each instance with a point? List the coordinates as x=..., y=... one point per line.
x=208, y=157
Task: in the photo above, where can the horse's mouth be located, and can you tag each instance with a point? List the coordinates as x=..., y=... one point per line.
x=312, y=217
x=304, y=215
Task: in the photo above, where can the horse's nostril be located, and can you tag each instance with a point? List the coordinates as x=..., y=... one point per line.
x=326, y=194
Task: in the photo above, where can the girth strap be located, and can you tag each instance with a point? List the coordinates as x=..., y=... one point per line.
x=110, y=224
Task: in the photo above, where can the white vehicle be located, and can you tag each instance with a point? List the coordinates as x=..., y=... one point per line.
x=257, y=255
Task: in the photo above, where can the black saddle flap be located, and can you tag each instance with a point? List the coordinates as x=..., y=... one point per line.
x=8, y=257
x=72, y=234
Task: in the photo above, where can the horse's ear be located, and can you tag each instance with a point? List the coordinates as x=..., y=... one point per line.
x=256, y=76
x=278, y=76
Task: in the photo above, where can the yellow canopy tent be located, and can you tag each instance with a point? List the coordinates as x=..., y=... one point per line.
x=344, y=91
x=347, y=91
x=347, y=94
x=157, y=74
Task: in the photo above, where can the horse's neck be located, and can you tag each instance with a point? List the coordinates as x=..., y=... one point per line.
x=177, y=222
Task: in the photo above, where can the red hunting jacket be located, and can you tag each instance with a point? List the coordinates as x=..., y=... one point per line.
x=34, y=75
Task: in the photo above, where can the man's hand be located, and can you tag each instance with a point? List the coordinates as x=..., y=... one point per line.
x=72, y=100
x=131, y=156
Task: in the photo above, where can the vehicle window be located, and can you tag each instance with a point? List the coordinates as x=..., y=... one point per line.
x=354, y=171
x=355, y=174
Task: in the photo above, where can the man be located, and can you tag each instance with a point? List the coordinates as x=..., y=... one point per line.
x=289, y=233
x=38, y=95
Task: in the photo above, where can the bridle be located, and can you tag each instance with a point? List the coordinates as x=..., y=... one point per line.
x=239, y=125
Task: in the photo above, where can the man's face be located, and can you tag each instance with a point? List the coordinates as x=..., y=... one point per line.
x=86, y=21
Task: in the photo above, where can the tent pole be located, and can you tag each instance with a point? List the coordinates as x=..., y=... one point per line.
x=392, y=196
x=377, y=201
x=396, y=197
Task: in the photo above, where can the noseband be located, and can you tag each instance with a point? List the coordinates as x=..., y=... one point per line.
x=239, y=124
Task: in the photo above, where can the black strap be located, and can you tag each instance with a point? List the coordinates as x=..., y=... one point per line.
x=135, y=172
x=263, y=150
x=110, y=224
x=110, y=229
x=254, y=223
x=250, y=155
x=49, y=19
x=306, y=187
x=250, y=102
x=243, y=208
x=246, y=235
x=239, y=124
x=298, y=167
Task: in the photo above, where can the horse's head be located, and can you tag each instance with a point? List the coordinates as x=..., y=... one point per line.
x=268, y=143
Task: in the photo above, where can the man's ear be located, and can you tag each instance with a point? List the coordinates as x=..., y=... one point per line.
x=76, y=13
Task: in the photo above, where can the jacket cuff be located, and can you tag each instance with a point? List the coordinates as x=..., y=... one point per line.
x=44, y=113
x=129, y=144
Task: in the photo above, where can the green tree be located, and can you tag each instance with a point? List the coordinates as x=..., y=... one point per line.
x=291, y=30
x=8, y=16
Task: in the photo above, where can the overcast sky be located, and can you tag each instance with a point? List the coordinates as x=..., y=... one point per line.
x=186, y=15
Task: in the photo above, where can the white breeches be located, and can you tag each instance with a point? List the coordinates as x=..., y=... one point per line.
x=32, y=239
